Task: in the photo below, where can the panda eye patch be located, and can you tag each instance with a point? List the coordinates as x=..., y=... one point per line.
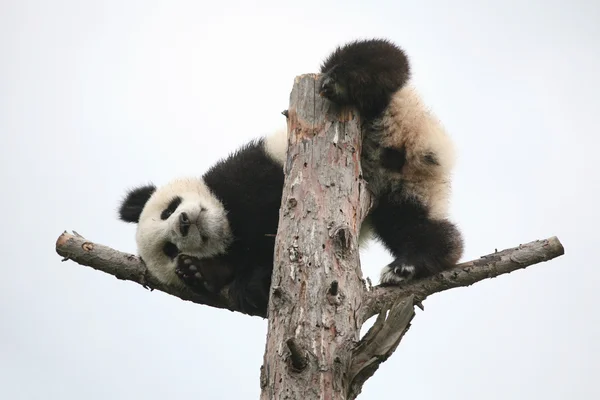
x=170, y=250
x=170, y=208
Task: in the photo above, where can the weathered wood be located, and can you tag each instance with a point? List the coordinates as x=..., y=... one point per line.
x=323, y=204
x=379, y=343
x=464, y=274
x=127, y=267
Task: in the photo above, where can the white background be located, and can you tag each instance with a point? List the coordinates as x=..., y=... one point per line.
x=100, y=96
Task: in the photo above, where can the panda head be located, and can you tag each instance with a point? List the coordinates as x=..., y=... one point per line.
x=183, y=216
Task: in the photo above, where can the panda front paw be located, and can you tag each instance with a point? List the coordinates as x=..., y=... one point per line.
x=331, y=88
x=397, y=273
x=327, y=87
x=206, y=274
x=188, y=270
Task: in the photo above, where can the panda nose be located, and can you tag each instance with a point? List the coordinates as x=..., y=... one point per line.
x=184, y=223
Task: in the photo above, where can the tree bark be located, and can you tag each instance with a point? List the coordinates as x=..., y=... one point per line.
x=317, y=284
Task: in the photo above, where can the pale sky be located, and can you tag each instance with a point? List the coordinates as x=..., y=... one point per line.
x=100, y=96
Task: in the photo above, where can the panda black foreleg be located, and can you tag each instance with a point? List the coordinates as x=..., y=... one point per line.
x=250, y=288
x=364, y=74
x=421, y=246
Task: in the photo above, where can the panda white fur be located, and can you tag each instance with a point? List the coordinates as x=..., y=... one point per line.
x=220, y=229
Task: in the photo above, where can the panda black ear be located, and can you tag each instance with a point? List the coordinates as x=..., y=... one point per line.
x=134, y=203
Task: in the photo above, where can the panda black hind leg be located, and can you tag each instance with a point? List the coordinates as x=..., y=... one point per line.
x=421, y=246
x=365, y=74
x=250, y=289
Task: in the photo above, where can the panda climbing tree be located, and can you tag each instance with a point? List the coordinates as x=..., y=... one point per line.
x=277, y=224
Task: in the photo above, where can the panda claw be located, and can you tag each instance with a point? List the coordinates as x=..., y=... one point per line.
x=331, y=87
x=327, y=88
x=395, y=274
x=405, y=271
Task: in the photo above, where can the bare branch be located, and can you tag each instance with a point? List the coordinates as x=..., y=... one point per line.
x=379, y=343
x=127, y=267
x=383, y=338
x=464, y=274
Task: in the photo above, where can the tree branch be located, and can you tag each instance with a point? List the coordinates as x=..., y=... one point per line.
x=379, y=343
x=464, y=274
x=127, y=267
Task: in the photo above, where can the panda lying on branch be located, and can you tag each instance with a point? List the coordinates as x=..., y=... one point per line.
x=220, y=229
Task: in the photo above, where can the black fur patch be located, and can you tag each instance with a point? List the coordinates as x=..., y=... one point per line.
x=364, y=74
x=249, y=184
x=170, y=250
x=413, y=238
x=173, y=204
x=393, y=159
x=134, y=202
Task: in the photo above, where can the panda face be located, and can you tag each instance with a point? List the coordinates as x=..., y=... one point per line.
x=181, y=217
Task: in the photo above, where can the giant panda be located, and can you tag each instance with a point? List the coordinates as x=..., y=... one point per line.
x=206, y=232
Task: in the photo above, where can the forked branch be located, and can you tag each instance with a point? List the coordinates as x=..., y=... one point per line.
x=464, y=274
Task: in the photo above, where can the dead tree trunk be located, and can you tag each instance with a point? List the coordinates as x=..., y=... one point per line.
x=317, y=284
x=318, y=299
